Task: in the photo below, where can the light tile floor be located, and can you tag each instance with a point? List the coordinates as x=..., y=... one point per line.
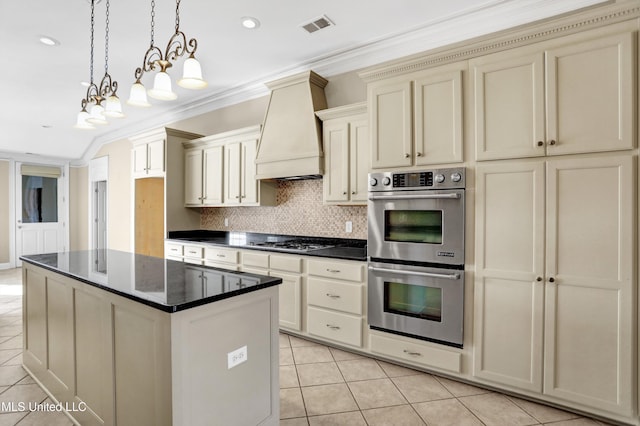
x=319, y=385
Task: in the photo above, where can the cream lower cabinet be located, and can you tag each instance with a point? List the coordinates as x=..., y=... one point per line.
x=417, y=120
x=571, y=95
x=554, y=310
x=290, y=269
x=346, y=154
x=335, y=300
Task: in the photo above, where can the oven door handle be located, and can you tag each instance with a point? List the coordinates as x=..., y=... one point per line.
x=414, y=197
x=454, y=276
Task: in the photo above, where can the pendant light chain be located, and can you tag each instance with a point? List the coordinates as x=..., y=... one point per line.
x=153, y=20
x=177, y=16
x=91, y=56
x=106, y=42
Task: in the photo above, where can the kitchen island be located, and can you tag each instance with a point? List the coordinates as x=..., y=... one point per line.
x=120, y=338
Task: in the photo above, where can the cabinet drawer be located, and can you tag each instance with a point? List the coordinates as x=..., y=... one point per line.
x=220, y=255
x=335, y=326
x=286, y=263
x=173, y=249
x=194, y=252
x=255, y=260
x=335, y=295
x=339, y=270
x=416, y=353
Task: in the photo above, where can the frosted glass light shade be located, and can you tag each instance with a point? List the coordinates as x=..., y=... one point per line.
x=192, y=75
x=96, y=115
x=138, y=96
x=81, y=121
x=113, y=107
x=162, y=88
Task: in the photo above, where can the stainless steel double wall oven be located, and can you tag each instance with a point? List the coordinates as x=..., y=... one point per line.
x=416, y=253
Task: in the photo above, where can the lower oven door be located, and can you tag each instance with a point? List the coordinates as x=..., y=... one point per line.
x=422, y=302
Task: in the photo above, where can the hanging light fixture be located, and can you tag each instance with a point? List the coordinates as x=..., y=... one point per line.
x=154, y=60
x=105, y=94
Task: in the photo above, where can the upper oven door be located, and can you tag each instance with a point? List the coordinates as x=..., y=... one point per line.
x=419, y=226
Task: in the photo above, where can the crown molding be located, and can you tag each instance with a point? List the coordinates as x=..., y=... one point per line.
x=508, y=39
x=433, y=36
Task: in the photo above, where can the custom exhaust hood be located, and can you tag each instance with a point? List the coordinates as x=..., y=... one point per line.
x=290, y=145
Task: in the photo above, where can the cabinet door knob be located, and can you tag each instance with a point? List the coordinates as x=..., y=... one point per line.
x=552, y=142
x=237, y=196
x=344, y=193
x=552, y=280
x=419, y=154
x=353, y=192
x=538, y=279
x=407, y=156
x=540, y=143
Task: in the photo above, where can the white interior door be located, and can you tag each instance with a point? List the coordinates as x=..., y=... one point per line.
x=39, y=210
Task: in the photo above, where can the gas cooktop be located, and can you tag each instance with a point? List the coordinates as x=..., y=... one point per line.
x=290, y=246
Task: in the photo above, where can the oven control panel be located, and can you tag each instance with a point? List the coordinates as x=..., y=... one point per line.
x=450, y=178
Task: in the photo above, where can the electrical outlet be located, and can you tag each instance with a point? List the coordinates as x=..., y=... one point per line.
x=237, y=357
x=226, y=221
x=348, y=228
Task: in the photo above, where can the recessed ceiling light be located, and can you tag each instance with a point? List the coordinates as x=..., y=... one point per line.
x=49, y=41
x=249, y=22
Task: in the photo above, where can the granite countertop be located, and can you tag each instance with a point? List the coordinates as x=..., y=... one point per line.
x=341, y=248
x=163, y=284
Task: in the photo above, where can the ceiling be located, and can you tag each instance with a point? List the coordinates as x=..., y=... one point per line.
x=41, y=84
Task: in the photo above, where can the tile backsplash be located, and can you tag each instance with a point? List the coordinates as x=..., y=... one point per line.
x=299, y=211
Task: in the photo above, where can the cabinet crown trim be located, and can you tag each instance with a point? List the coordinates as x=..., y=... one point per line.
x=507, y=39
x=250, y=132
x=342, y=111
x=161, y=133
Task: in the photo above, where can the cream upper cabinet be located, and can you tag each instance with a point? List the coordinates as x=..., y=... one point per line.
x=571, y=95
x=437, y=100
x=391, y=120
x=241, y=186
x=203, y=185
x=193, y=177
x=417, y=120
x=554, y=274
x=148, y=159
x=346, y=152
x=220, y=171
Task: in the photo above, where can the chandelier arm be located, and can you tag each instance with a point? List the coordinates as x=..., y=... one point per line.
x=108, y=86
x=176, y=46
x=193, y=44
x=92, y=93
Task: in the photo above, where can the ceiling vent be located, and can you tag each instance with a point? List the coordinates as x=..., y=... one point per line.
x=317, y=24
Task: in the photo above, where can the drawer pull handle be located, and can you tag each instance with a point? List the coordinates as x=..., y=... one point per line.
x=333, y=327
x=333, y=296
x=221, y=255
x=174, y=249
x=333, y=271
x=412, y=353
x=193, y=252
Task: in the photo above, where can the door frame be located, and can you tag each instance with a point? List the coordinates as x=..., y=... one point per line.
x=63, y=204
x=98, y=171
